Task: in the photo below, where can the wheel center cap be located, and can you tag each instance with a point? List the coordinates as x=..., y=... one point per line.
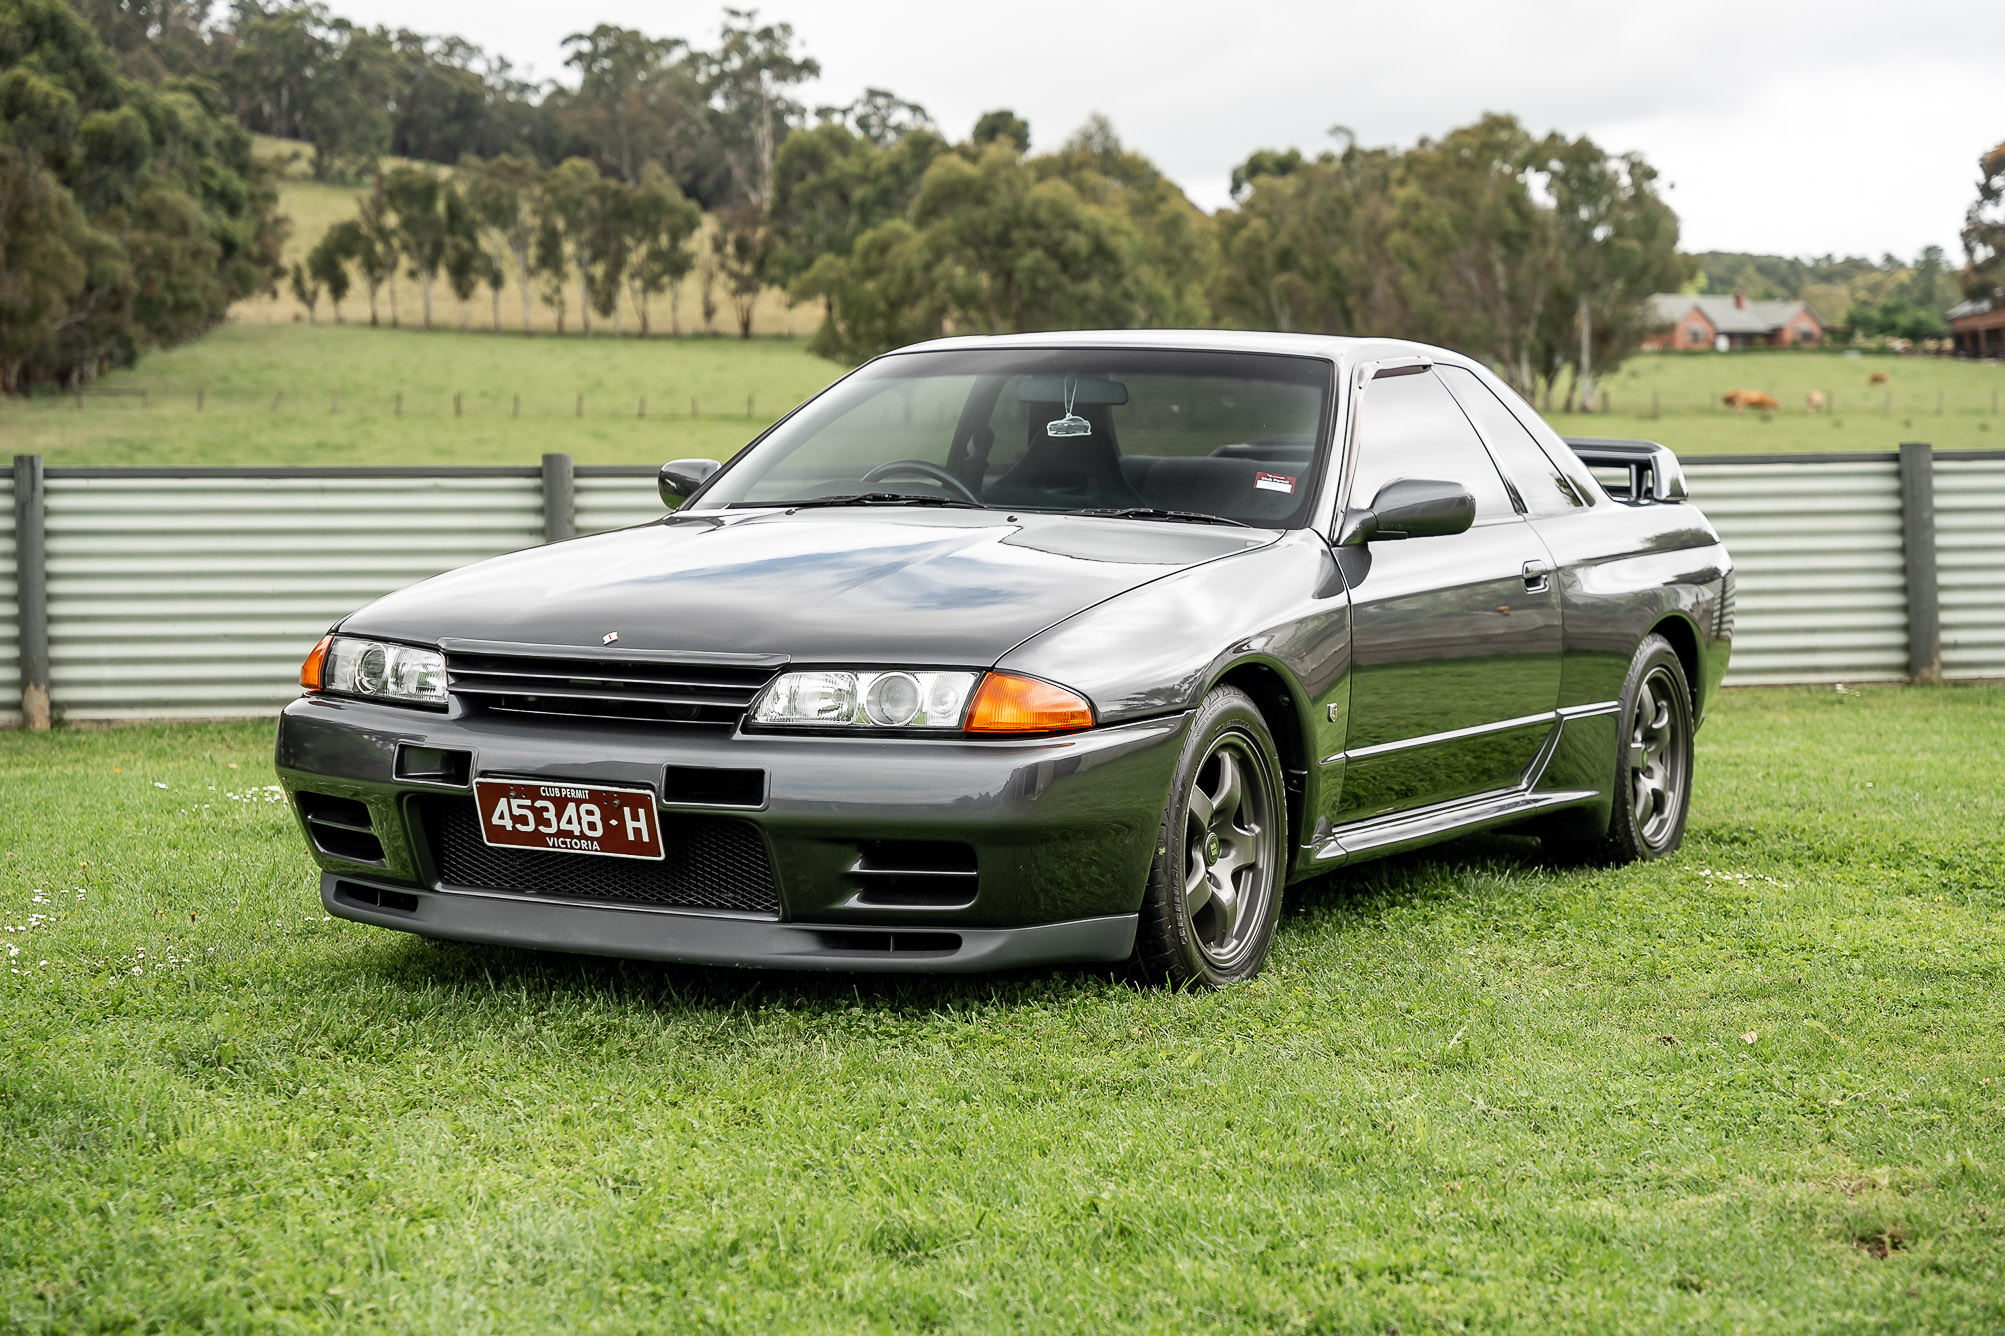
x=1211, y=848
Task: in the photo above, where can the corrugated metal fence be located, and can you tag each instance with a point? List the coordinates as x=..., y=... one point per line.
x=195, y=593
x=10, y=613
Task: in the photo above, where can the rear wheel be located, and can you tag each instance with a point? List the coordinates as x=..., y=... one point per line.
x=1214, y=890
x=1653, y=763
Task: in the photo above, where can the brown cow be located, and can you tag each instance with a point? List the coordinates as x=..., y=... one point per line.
x=1877, y=378
x=1742, y=400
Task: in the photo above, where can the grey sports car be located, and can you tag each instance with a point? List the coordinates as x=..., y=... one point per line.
x=1036, y=649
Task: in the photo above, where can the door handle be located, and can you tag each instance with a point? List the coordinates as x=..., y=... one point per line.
x=1536, y=573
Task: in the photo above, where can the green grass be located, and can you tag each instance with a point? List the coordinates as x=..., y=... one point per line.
x=239, y=368
x=1758, y=1087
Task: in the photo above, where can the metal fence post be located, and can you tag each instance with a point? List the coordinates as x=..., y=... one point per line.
x=560, y=498
x=31, y=585
x=1918, y=541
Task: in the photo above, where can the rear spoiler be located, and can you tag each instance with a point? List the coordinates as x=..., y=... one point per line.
x=1653, y=471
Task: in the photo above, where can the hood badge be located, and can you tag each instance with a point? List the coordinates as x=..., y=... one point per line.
x=611, y=636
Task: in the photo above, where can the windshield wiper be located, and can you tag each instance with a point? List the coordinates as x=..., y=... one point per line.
x=869, y=499
x=1157, y=513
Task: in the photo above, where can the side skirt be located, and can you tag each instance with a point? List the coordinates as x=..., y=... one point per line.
x=1425, y=825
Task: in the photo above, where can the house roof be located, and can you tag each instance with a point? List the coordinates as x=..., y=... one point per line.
x=1974, y=306
x=1757, y=317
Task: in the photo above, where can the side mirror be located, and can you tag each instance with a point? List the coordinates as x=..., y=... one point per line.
x=1410, y=508
x=681, y=477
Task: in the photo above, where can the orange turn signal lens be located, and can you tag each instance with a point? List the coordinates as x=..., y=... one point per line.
x=1006, y=703
x=311, y=672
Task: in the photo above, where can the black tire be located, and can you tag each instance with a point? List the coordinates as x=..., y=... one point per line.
x=1214, y=894
x=1652, y=788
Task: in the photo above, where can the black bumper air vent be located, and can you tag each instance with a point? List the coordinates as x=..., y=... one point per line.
x=712, y=863
x=637, y=686
x=340, y=827
x=375, y=897
x=901, y=943
x=712, y=786
x=449, y=766
x=930, y=874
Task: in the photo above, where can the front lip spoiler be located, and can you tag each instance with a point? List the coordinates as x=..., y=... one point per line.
x=718, y=939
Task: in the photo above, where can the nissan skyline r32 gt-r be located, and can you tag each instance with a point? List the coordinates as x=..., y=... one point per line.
x=1037, y=649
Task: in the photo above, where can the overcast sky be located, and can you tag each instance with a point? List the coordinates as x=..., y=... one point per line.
x=1793, y=128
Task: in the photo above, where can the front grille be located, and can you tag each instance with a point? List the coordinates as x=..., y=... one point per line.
x=675, y=691
x=712, y=863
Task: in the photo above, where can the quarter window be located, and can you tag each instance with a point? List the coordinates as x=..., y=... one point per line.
x=1410, y=428
x=1544, y=490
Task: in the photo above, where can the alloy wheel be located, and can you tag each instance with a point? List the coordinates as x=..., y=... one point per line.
x=1231, y=848
x=1658, y=758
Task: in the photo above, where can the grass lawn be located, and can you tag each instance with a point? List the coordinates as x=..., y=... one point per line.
x=239, y=369
x=1760, y=1086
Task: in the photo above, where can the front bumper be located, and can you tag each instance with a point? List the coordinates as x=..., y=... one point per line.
x=1061, y=833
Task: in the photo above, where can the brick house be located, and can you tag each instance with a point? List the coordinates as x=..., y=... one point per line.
x=1685, y=321
x=1977, y=328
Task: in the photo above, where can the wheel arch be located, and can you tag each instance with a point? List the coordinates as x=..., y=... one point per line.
x=1284, y=707
x=1684, y=639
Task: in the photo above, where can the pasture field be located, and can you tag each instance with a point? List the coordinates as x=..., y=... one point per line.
x=239, y=369
x=1687, y=415
x=1756, y=1087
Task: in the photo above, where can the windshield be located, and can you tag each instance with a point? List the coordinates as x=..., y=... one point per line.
x=1231, y=436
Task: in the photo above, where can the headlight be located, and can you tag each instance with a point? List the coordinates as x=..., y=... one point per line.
x=846, y=699
x=376, y=670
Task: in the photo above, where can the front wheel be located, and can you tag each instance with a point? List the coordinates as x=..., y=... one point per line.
x=1214, y=894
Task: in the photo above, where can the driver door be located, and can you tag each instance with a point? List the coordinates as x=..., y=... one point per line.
x=1455, y=640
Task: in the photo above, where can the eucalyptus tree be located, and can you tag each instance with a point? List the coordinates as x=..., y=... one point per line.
x=502, y=194
x=748, y=81
x=327, y=262
x=130, y=215
x=1984, y=231
x=636, y=99
x=571, y=207
x=305, y=289
x=422, y=210
x=661, y=222
x=1616, y=243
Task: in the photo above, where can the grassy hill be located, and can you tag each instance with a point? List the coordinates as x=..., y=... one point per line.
x=326, y=394
x=315, y=206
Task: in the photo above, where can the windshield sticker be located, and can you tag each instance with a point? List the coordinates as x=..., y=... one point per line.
x=1274, y=482
x=1071, y=424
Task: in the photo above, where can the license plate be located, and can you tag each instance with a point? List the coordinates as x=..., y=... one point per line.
x=568, y=818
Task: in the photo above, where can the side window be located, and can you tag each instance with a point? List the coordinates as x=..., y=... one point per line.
x=1411, y=428
x=1542, y=487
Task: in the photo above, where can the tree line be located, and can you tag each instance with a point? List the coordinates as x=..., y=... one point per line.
x=664, y=160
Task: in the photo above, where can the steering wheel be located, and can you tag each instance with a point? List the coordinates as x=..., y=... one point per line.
x=923, y=469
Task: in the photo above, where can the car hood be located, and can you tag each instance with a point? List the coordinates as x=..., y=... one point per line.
x=869, y=586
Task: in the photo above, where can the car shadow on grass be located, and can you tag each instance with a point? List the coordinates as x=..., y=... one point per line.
x=1359, y=898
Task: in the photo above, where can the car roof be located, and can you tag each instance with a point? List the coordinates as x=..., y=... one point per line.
x=1345, y=351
